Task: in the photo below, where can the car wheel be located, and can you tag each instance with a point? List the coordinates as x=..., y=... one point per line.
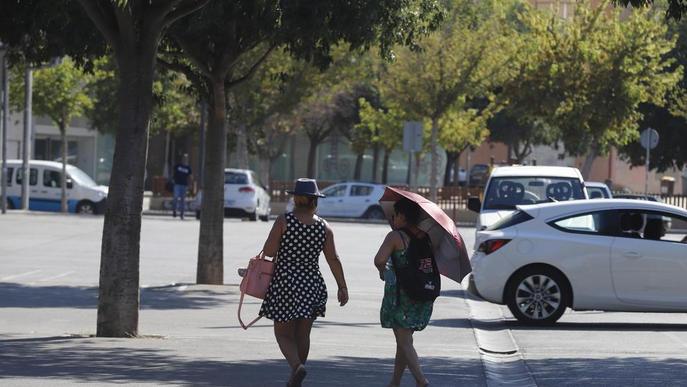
x=85, y=207
x=374, y=213
x=198, y=214
x=538, y=295
x=253, y=216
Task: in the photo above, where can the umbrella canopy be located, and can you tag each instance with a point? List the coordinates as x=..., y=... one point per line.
x=449, y=248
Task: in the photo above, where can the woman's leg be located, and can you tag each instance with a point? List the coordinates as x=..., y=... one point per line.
x=404, y=341
x=285, y=332
x=303, y=327
x=400, y=365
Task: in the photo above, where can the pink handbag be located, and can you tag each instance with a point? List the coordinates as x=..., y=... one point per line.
x=256, y=280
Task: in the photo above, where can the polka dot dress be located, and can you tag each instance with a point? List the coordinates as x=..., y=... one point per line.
x=297, y=289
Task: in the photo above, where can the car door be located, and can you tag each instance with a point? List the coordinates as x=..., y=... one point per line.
x=37, y=199
x=650, y=268
x=52, y=189
x=358, y=200
x=332, y=204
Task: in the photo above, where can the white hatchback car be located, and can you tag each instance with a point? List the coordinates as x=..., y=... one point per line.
x=350, y=200
x=244, y=196
x=600, y=254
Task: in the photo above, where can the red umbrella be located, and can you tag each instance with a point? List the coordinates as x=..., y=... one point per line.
x=449, y=248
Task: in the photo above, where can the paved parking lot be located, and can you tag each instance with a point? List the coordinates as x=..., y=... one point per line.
x=48, y=295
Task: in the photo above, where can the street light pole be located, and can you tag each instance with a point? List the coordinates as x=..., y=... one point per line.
x=26, y=140
x=5, y=118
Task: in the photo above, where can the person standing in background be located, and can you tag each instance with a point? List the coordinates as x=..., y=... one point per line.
x=182, y=178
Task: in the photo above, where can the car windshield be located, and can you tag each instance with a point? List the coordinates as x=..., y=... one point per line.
x=504, y=193
x=235, y=178
x=80, y=177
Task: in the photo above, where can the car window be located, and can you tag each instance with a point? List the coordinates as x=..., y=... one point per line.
x=653, y=225
x=510, y=220
x=51, y=178
x=361, y=190
x=255, y=179
x=336, y=190
x=597, y=193
x=9, y=176
x=235, y=178
x=33, y=176
x=504, y=193
x=598, y=222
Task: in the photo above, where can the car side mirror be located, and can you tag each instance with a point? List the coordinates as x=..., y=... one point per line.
x=474, y=204
x=70, y=184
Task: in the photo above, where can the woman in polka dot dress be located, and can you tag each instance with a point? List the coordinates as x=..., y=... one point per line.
x=297, y=294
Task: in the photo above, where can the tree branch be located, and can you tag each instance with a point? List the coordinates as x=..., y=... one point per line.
x=191, y=55
x=252, y=70
x=183, y=9
x=184, y=69
x=103, y=22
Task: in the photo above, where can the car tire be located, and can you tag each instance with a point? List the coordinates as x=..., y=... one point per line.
x=253, y=217
x=85, y=207
x=538, y=295
x=374, y=212
x=198, y=214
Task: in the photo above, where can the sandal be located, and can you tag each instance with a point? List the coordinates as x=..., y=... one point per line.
x=297, y=377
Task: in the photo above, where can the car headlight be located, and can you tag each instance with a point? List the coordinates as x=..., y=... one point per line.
x=101, y=194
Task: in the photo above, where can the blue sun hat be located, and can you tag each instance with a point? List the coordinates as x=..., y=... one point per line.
x=306, y=187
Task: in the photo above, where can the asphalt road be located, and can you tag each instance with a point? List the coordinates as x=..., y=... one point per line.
x=49, y=274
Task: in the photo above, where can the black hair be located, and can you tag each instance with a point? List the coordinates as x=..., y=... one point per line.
x=409, y=209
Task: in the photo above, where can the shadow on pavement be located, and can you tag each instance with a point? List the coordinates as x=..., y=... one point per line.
x=16, y=295
x=627, y=371
x=600, y=326
x=85, y=360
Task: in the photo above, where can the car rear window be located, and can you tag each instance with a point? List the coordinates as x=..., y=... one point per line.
x=504, y=193
x=235, y=178
x=514, y=218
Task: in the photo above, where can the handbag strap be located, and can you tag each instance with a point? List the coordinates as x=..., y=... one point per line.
x=250, y=324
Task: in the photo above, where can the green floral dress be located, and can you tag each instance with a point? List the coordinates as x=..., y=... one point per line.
x=406, y=313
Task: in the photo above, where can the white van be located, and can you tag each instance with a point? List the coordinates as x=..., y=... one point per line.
x=511, y=186
x=84, y=195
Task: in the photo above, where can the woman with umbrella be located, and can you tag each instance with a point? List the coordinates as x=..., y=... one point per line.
x=415, y=219
x=399, y=312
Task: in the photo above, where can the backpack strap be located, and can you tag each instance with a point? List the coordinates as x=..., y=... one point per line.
x=393, y=261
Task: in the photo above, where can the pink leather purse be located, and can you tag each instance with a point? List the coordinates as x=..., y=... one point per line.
x=256, y=280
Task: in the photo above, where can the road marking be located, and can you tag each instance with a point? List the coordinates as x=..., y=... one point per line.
x=11, y=277
x=56, y=276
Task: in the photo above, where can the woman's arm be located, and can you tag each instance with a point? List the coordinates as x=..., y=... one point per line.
x=274, y=239
x=391, y=243
x=335, y=265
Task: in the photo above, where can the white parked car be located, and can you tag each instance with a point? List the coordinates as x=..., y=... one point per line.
x=600, y=254
x=244, y=196
x=350, y=200
x=511, y=186
x=597, y=190
x=84, y=196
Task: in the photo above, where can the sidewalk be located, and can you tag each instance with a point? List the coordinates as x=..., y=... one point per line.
x=190, y=336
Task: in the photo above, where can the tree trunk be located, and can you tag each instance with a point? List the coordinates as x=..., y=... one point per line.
x=210, y=268
x=241, y=147
x=456, y=168
x=358, y=166
x=312, y=153
x=265, y=164
x=450, y=161
x=118, y=300
x=434, y=171
x=63, y=181
x=589, y=162
x=375, y=161
x=417, y=157
x=385, y=166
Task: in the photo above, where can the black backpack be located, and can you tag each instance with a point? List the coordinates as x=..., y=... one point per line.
x=420, y=278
